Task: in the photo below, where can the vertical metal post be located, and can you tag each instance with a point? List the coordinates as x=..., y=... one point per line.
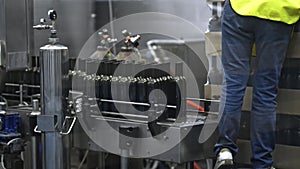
x=66, y=152
x=21, y=94
x=54, y=85
x=124, y=159
x=33, y=151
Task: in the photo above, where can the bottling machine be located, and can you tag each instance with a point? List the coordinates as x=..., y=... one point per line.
x=72, y=98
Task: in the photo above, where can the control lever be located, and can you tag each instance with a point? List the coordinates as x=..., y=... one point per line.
x=42, y=25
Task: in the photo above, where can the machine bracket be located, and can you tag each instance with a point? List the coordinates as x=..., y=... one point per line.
x=67, y=118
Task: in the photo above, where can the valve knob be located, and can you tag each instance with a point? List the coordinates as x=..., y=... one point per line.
x=52, y=14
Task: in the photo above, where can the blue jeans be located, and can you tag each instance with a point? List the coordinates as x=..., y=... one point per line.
x=271, y=40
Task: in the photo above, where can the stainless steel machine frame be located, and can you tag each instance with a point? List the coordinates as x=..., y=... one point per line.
x=187, y=150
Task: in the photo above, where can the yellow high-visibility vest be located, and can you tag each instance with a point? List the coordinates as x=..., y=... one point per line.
x=287, y=11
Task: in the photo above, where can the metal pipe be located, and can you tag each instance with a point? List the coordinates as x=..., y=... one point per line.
x=125, y=102
x=197, y=111
x=136, y=103
x=83, y=159
x=34, y=154
x=155, y=165
x=35, y=105
x=204, y=100
x=126, y=115
x=33, y=115
x=124, y=159
x=25, y=85
x=67, y=151
x=111, y=23
x=124, y=162
x=21, y=94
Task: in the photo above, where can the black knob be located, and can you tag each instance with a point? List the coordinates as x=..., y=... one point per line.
x=52, y=14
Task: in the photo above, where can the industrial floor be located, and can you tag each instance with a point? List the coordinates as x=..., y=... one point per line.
x=82, y=159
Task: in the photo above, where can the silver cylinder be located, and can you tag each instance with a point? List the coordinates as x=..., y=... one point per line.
x=54, y=91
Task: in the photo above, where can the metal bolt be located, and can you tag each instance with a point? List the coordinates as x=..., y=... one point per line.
x=165, y=137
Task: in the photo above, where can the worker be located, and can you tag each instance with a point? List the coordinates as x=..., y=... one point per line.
x=268, y=24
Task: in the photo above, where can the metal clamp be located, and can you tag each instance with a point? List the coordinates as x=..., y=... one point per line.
x=71, y=126
x=47, y=123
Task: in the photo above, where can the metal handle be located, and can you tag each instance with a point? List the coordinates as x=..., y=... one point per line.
x=36, y=129
x=71, y=126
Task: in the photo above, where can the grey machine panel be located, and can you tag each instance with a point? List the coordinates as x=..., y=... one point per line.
x=16, y=18
x=188, y=149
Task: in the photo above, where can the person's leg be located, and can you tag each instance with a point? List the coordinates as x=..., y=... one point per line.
x=237, y=42
x=272, y=39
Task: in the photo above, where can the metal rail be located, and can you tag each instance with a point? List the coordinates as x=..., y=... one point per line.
x=137, y=103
